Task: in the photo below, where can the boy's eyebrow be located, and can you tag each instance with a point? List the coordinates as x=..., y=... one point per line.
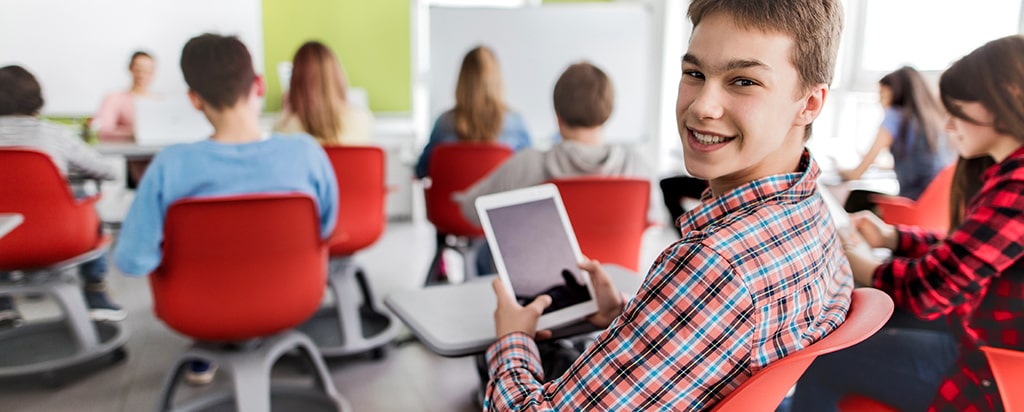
x=735, y=64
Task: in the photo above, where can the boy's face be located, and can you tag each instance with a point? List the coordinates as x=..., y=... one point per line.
x=741, y=112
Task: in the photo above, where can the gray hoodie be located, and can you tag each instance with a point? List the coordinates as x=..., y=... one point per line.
x=566, y=159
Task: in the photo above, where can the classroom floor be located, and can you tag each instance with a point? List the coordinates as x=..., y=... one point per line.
x=409, y=378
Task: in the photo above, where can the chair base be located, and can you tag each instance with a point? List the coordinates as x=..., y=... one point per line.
x=249, y=371
x=352, y=325
x=50, y=347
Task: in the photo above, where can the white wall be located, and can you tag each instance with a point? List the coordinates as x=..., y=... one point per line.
x=535, y=44
x=79, y=49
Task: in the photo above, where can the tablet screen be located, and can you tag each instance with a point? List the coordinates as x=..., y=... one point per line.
x=537, y=253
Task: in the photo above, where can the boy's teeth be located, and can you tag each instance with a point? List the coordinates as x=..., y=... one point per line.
x=708, y=139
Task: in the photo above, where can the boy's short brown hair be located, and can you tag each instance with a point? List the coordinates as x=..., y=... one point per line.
x=218, y=68
x=814, y=25
x=20, y=93
x=584, y=96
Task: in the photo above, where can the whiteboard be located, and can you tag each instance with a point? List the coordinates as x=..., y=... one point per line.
x=79, y=50
x=534, y=45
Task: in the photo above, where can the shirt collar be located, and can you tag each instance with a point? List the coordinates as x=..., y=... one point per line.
x=1013, y=159
x=794, y=186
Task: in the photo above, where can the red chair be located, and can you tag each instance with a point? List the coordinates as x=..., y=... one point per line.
x=869, y=310
x=609, y=216
x=1008, y=367
x=354, y=324
x=930, y=211
x=57, y=234
x=237, y=274
x=453, y=168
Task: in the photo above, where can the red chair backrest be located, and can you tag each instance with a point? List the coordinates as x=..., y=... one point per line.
x=56, y=227
x=869, y=310
x=1008, y=368
x=453, y=168
x=609, y=216
x=931, y=210
x=361, y=194
x=240, y=267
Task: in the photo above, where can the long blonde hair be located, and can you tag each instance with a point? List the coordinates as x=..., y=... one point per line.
x=318, y=92
x=479, y=97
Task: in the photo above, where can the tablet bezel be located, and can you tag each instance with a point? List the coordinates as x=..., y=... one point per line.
x=559, y=317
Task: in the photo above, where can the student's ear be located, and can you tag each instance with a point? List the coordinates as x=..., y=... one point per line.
x=197, y=101
x=261, y=86
x=813, y=103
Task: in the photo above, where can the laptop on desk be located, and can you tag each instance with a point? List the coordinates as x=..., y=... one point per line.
x=166, y=120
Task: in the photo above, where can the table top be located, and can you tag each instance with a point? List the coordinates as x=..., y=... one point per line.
x=127, y=149
x=9, y=221
x=458, y=320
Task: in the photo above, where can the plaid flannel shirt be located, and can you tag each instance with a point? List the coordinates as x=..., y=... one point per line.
x=975, y=275
x=758, y=274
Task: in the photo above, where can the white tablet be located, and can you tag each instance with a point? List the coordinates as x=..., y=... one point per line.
x=536, y=252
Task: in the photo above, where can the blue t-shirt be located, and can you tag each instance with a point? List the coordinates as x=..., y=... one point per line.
x=280, y=164
x=513, y=134
x=915, y=165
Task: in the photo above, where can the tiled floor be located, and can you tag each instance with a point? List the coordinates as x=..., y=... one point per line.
x=409, y=378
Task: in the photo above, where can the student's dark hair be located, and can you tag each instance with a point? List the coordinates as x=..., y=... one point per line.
x=218, y=68
x=911, y=96
x=20, y=93
x=584, y=96
x=814, y=25
x=992, y=75
x=136, y=55
x=966, y=183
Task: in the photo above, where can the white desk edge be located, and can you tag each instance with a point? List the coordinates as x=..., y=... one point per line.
x=458, y=320
x=9, y=221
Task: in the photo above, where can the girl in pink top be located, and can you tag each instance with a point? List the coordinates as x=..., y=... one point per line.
x=115, y=121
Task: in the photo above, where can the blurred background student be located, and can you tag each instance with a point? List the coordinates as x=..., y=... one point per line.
x=115, y=121
x=480, y=113
x=911, y=130
x=975, y=276
x=317, y=100
x=21, y=99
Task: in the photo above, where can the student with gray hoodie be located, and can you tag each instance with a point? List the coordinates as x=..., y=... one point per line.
x=583, y=99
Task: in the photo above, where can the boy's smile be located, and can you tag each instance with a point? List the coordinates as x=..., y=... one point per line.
x=741, y=110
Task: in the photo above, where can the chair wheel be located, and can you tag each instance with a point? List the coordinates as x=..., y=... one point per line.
x=50, y=380
x=118, y=355
x=378, y=353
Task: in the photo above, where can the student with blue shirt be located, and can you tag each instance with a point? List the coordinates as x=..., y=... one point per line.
x=237, y=159
x=912, y=130
x=480, y=113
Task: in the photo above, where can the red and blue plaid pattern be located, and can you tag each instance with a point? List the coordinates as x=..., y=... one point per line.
x=976, y=275
x=759, y=274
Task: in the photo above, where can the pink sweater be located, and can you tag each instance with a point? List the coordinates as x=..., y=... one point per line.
x=116, y=118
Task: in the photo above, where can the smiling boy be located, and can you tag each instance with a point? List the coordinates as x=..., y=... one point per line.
x=759, y=273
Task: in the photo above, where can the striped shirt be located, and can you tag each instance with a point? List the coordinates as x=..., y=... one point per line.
x=759, y=274
x=66, y=150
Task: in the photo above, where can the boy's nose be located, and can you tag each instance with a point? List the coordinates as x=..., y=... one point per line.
x=707, y=103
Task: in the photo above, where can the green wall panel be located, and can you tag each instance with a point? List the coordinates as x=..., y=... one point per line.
x=370, y=37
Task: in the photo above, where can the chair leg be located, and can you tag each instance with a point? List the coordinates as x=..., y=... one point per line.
x=364, y=286
x=435, y=272
x=70, y=299
x=343, y=285
x=252, y=383
x=321, y=377
x=170, y=385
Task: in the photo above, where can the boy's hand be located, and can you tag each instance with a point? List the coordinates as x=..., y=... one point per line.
x=609, y=301
x=510, y=317
x=874, y=231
